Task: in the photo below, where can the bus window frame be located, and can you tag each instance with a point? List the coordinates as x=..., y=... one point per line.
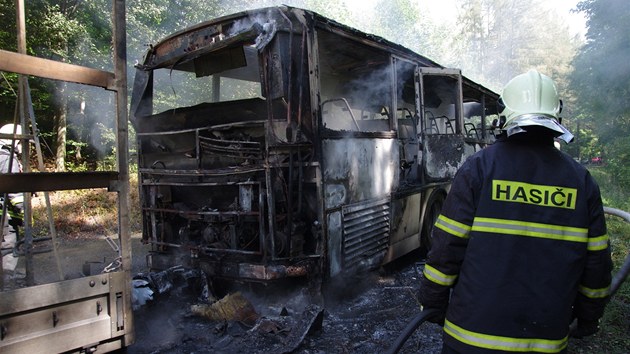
x=457, y=105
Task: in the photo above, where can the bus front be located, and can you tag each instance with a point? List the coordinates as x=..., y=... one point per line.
x=224, y=151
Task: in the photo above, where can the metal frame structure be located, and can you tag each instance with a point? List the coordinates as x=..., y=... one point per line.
x=91, y=313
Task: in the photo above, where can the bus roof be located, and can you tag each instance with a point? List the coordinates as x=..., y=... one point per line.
x=246, y=26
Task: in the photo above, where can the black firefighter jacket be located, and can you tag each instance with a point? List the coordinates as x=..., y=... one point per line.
x=522, y=242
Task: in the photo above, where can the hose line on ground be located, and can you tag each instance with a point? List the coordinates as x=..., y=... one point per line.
x=411, y=327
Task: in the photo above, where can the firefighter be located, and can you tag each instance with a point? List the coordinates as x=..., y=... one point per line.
x=520, y=249
x=10, y=163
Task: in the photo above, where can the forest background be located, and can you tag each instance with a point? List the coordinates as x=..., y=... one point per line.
x=490, y=40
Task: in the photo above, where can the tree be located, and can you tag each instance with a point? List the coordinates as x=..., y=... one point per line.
x=50, y=33
x=79, y=32
x=65, y=30
x=600, y=80
x=336, y=10
x=498, y=39
x=405, y=22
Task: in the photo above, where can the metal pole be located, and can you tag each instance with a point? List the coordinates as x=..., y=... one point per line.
x=40, y=167
x=23, y=86
x=120, y=72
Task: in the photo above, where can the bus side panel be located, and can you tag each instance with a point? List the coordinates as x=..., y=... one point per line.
x=405, y=235
x=358, y=177
x=334, y=232
x=358, y=169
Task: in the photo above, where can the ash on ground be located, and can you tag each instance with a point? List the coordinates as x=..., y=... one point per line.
x=362, y=314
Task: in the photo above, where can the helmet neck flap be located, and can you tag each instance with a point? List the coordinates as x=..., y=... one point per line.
x=520, y=124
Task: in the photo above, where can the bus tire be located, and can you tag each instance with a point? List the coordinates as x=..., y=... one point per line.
x=431, y=213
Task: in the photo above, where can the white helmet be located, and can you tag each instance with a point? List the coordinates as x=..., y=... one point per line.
x=531, y=99
x=10, y=129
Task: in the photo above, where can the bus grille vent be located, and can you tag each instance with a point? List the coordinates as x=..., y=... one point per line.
x=366, y=233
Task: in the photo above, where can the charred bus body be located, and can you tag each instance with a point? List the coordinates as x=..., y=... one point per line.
x=276, y=143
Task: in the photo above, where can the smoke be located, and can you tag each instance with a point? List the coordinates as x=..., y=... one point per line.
x=373, y=89
x=91, y=122
x=340, y=289
x=246, y=23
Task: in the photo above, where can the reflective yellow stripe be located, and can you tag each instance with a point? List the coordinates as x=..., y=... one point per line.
x=438, y=277
x=598, y=243
x=530, y=229
x=504, y=343
x=453, y=227
x=594, y=293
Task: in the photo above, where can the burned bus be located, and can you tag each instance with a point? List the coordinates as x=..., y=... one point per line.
x=278, y=143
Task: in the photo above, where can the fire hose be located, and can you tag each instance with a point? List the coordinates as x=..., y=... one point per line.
x=624, y=270
x=425, y=315
x=411, y=327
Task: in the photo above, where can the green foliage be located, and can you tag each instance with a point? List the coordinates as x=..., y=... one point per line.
x=586, y=144
x=108, y=142
x=8, y=34
x=63, y=33
x=405, y=22
x=77, y=166
x=337, y=10
x=150, y=21
x=8, y=92
x=612, y=195
x=40, y=91
x=617, y=160
x=618, y=230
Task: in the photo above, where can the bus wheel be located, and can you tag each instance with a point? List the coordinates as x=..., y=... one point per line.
x=434, y=207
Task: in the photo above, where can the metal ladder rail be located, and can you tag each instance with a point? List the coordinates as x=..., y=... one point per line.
x=41, y=168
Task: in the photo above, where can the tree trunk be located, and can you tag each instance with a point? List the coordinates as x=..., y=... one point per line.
x=61, y=117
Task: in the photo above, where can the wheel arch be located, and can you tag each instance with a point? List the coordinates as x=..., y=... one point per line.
x=430, y=212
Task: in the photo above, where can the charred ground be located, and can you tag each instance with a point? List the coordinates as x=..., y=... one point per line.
x=362, y=314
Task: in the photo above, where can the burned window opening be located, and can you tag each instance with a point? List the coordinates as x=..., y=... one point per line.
x=441, y=104
x=355, y=85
